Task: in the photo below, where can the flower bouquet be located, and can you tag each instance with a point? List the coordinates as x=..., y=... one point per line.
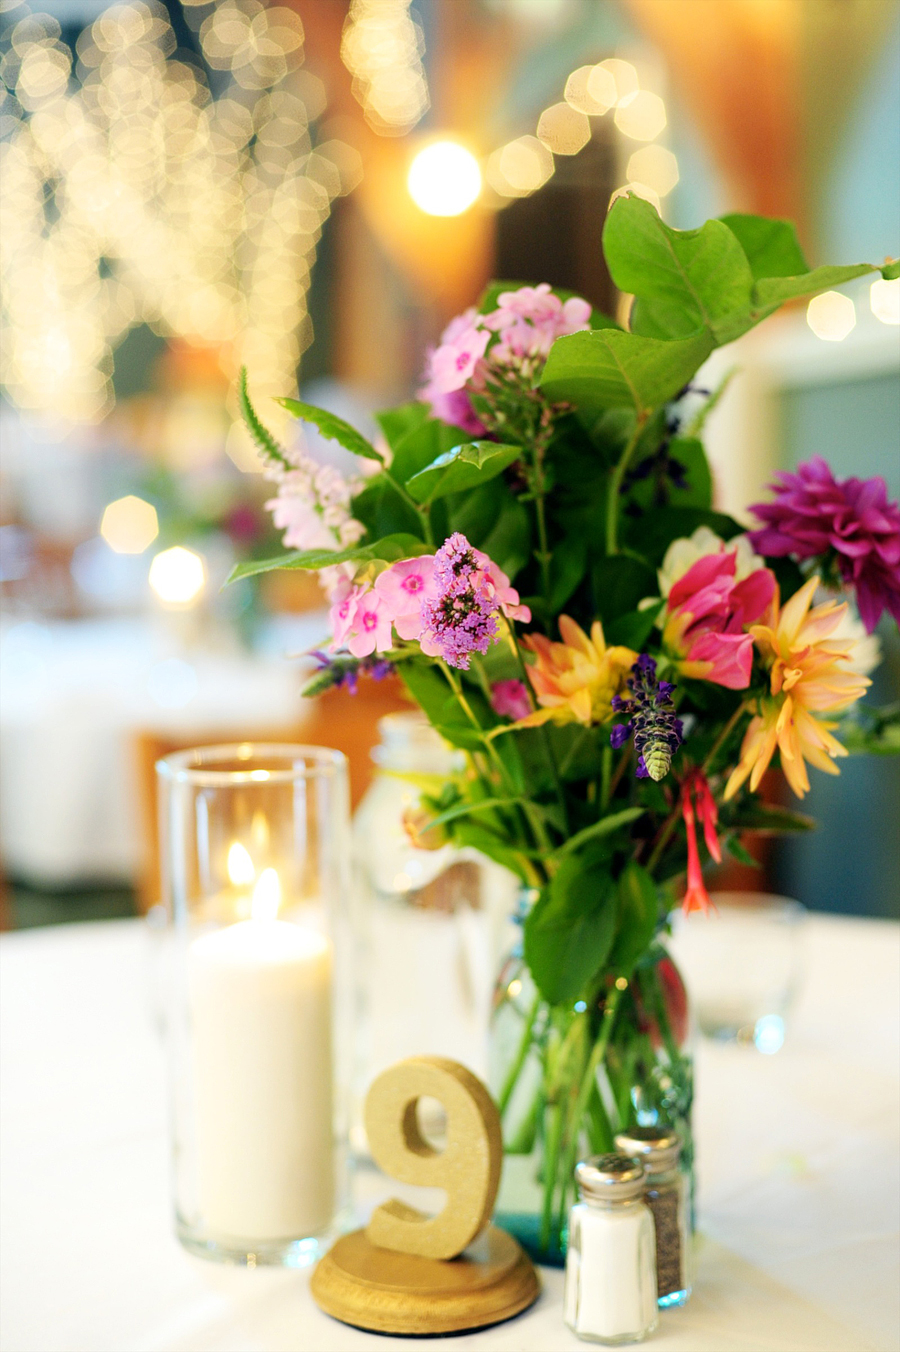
x=537, y=555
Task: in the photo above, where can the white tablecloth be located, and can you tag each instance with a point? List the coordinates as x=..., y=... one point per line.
x=799, y=1188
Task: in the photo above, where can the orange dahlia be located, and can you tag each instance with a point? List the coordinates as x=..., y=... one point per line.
x=808, y=675
x=574, y=681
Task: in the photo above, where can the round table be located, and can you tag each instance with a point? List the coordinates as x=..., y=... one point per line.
x=798, y=1172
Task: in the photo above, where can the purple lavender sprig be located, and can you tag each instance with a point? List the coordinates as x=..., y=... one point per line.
x=345, y=672
x=460, y=619
x=657, y=732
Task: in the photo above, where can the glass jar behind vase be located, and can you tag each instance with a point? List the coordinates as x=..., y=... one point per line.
x=567, y=1079
x=431, y=920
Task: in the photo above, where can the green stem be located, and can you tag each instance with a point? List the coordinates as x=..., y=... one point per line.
x=545, y=736
x=515, y=1069
x=615, y=486
x=605, y=773
x=554, y=1140
x=620, y=770
x=544, y=554
x=723, y=737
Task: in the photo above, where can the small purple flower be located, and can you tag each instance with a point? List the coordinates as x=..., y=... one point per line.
x=851, y=520
x=651, y=713
x=459, y=620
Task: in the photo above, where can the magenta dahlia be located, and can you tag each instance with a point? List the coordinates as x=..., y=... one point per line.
x=850, y=519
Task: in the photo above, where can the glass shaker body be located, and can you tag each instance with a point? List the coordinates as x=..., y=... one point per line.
x=610, y=1292
x=666, y=1193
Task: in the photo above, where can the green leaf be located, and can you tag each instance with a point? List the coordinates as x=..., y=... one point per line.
x=387, y=550
x=619, y=583
x=567, y=565
x=682, y=280
x=422, y=445
x=464, y=467
x=396, y=422
x=604, y=827
x=477, y=837
x=890, y=271
x=771, y=292
x=652, y=534
x=738, y=852
x=569, y=932
x=431, y=692
x=333, y=427
x=261, y=435
x=382, y=509
x=767, y=819
x=632, y=631
x=871, y=730
x=638, y=915
x=508, y=540
x=608, y=369
x=771, y=246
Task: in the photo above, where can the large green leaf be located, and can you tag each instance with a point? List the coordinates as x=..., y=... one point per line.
x=638, y=915
x=396, y=422
x=771, y=292
x=771, y=246
x=682, y=280
x=387, y=550
x=462, y=467
x=619, y=583
x=383, y=510
x=608, y=369
x=570, y=930
x=422, y=445
x=650, y=535
x=766, y=818
x=333, y=427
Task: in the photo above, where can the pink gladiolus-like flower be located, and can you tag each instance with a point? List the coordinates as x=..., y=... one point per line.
x=708, y=613
x=510, y=699
x=815, y=513
x=403, y=588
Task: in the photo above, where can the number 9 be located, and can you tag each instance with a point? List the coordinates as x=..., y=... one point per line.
x=468, y=1169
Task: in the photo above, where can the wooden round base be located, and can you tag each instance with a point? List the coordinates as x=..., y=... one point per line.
x=390, y=1292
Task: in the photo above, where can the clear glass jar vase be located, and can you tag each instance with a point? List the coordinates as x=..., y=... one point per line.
x=254, y=843
x=566, y=1080
x=431, y=923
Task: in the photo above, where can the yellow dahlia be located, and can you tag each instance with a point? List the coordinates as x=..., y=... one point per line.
x=574, y=681
x=809, y=673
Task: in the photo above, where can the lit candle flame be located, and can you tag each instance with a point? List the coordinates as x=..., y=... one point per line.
x=266, y=896
x=240, y=866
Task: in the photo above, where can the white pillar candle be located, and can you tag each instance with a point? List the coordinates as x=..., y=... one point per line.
x=260, y=1008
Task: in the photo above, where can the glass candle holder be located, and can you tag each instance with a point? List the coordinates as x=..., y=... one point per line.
x=254, y=842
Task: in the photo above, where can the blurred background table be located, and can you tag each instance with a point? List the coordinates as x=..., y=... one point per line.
x=798, y=1173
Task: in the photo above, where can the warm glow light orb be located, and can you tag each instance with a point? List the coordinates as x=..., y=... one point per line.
x=655, y=166
x=884, y=298
x=831, y=316
x=177, y=576
x=563, y=129
x=641, y=116
x=444, y=179
x=520, y=167
x=129, y=525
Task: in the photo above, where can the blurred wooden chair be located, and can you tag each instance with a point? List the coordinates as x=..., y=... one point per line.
x=337, y=719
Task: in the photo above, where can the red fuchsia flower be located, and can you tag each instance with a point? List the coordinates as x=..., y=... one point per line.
x=816, y=514
x=708, y=613
x=697, y=801
x=510, y=699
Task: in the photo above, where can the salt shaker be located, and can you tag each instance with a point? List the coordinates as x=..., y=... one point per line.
x=665, y=1192
x=610, y=1294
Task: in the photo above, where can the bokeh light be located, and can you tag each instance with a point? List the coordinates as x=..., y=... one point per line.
x=177, y=576
x=382, y=49
x=129, y=525
x=884, y=299
x=831, y=316
x=563, y=129
x=654, y=166
x=641, y=115
x=444, y=179
x=624, y=76
x=520, y=167
x=591, y=90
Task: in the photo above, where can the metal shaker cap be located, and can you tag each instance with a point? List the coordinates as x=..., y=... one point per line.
x=657, y=1147
x=612, y=1178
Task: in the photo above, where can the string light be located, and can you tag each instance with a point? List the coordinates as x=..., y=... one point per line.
x=444, y=179
x=641, y=115
x=520, y=167
x=884, y=299
x=382, y=49
x=129, y=525
x=135, y=197
x=654, y=166
x=563, y=129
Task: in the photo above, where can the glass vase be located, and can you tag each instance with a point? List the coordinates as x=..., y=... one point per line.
x=254, y=845
x=566, y=1079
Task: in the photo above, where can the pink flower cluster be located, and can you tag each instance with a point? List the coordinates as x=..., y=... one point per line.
x=517, y=335
x=707, y=616
x=446, y=602
x=815, y=513
x=313, y=509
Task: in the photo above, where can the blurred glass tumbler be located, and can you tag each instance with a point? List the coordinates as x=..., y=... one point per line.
x=742, y=965
x=254, y=843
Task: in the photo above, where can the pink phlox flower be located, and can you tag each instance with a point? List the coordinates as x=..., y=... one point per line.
x=453, y=363
x=404, y=589
x=506, y=595
x=455, y=409
x=529, y=321
x=344, y=596
x=303, y=525
x=370, y=625
x=509, y=699
x=708, y=614
x=815, y=513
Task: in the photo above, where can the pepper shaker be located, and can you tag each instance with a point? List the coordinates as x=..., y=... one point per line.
x=665, y=1192
x=610, y=1294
